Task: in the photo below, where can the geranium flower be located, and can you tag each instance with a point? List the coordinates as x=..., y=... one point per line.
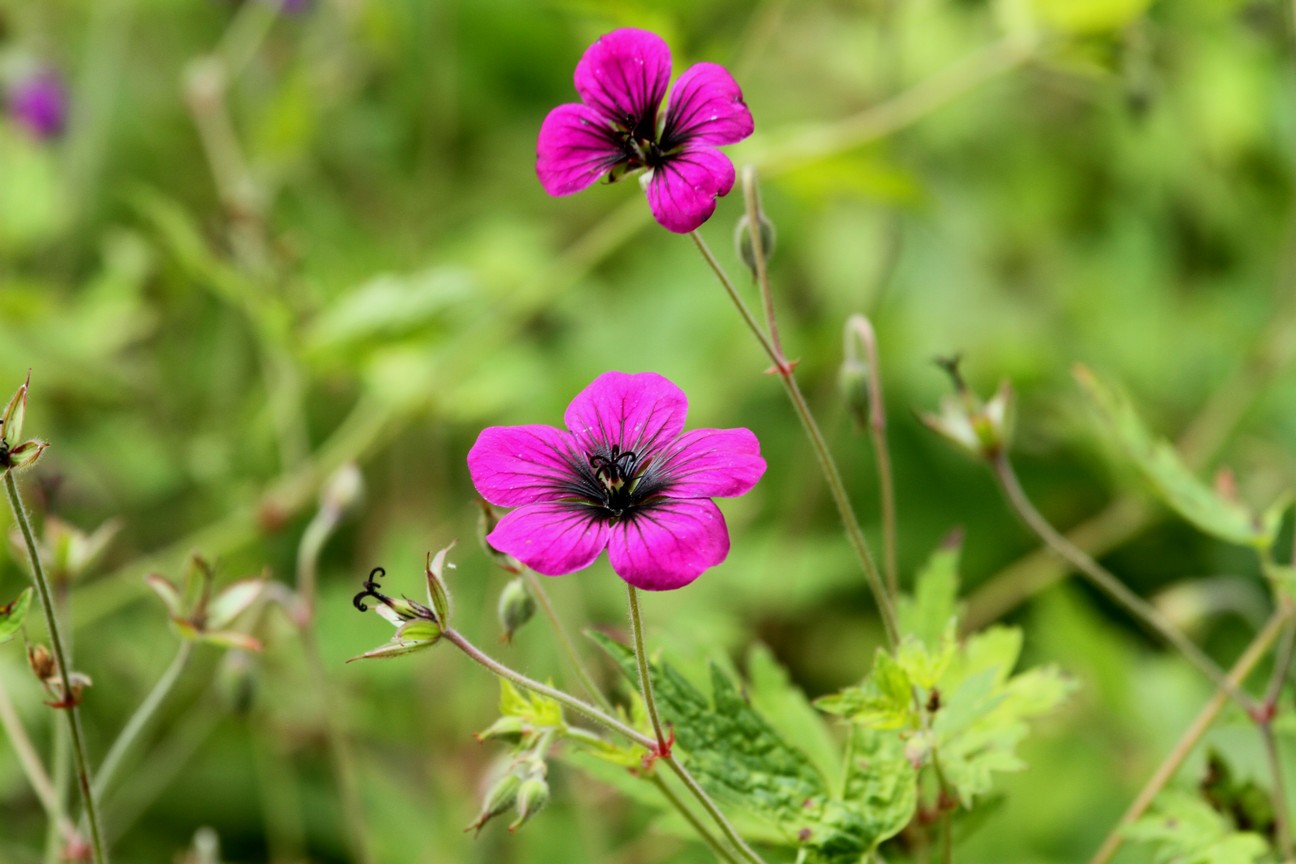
x=622, y=477
x=39, y=102
x=622, y=80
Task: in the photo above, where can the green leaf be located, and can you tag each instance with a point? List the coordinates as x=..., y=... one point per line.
x=743, y=762
x=13, y=614
x=1185, y=830
x=1089, y=16
x=788, y=710
x=884, y=701
x=934, y=604
x=533, y=708
x=1174, y=484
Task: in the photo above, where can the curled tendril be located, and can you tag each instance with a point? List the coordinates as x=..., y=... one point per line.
x=371, y=587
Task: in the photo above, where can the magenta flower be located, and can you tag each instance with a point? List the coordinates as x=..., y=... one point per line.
x=622, y=478
x=39, y=102
x=622, y=80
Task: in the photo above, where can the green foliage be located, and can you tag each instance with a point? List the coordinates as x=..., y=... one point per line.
x=738, y=756
x=1184, y=829
x=13, y=614
x=1216, y=514
x=959, y=706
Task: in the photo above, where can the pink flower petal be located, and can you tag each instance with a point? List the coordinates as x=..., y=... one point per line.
x=551, y=537
x=668, y=545
x=640, y=413
x=516, y=465
x=682, y=193
x=623, y=76
x=706, y=107
x=574, y=149
x=706, y=463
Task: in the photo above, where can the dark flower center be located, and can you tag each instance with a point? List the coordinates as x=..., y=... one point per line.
x=637, y=140
x=617, y=482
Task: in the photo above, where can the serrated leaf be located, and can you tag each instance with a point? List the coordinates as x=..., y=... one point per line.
x=934, y=604
x=13, y=614
x=1174, y=484
x=924, y=665
x=1185, y=830
x=884, y=701
x=787, y=709
x=742, y=761
x=533, y=708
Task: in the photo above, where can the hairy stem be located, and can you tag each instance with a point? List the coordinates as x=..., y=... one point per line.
x=1136, y=606
x=713, y=843
x=62, y=659
x=645, y=677
x=140, y=719
x=611, y=723
x=1250, y=657
x=822, y=454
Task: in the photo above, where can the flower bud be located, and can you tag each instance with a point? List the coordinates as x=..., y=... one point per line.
x=983, y=429
x=516, y=607
x=853, y=378
x=501, y=797
x=11, y=423
x=532, y=796
x=743, y=240
x=438, y=591
x=41, y=662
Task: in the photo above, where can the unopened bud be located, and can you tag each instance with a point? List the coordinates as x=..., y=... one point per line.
x=11, y=422
x=516, y=607
x=853, y=379
x=984, y=429
x=743, y=240
x=532, y=796
x=438, y=591
x=41, y=662
x=501, y=797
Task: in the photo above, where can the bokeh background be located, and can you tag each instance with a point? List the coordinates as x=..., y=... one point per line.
x=266, y=242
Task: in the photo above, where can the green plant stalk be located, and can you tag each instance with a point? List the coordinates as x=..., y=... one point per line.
x=61, y=771
x=1108, y=583
x=140, y=720
x=604, y=719
x=682, y=808
x=61, y=657
x=308, y=551
x=564, y=639
x=582, y=673
x=822, y=454
x=645, y=677
x=1282, y=817
x=862, y=328
x=32, y=767
x=1201, y=723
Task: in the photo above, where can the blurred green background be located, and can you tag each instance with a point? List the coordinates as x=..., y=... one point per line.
x=266, y=245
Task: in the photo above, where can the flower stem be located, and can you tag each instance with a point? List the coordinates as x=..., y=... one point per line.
x=1103, y=579
x=645, y=678
x=32, y=767
x=1254, y=652
x=862, y=329
x=608, y=721
x=140, y=719
x=564, y=640
x=578, y=705
x=61, y=657
x=824, y=456
x=696, y=824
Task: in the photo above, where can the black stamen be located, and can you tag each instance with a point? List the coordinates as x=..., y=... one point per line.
x=371, y=590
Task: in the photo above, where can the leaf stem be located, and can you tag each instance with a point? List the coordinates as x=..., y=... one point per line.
x=140, y=719
x=822, y=454
x=1103, y=579
x=61, y=658
x=1250, y=657
x=696, y=824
